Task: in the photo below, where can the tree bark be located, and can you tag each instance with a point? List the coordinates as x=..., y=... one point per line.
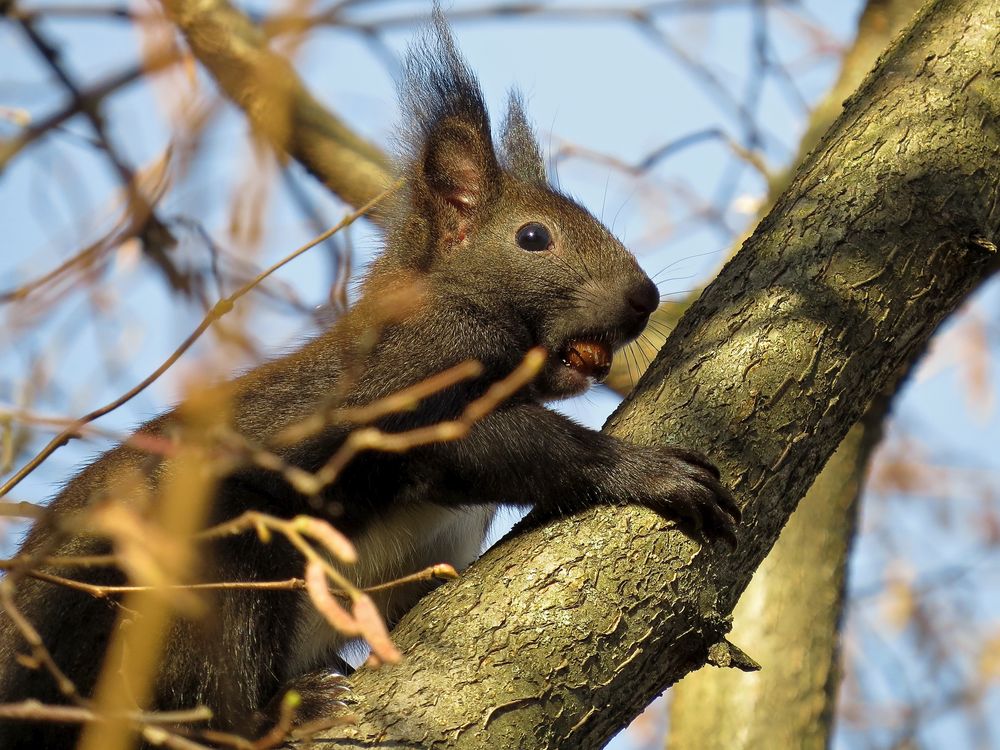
x=789, y=620
x=563, y=633
x=789, y=617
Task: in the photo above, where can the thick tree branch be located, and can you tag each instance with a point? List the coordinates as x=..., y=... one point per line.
x=276, y=102
x=562, y=634
x=789, y=617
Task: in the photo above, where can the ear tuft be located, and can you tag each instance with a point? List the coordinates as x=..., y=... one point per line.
x=448, y=136
x=521, y=154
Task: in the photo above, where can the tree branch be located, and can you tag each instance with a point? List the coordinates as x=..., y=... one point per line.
x=276, y=102
x=560, y=635
x=790, y=616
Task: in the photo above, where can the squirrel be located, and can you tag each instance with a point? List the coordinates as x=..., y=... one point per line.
x=505, y=263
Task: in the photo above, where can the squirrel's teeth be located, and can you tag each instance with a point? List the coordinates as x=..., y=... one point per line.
x=590, y=358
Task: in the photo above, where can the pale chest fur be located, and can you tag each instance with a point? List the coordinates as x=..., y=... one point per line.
x=405, y=541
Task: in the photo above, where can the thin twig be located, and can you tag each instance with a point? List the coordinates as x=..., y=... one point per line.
x=371, y=438
x=88, y=99
x=399, y=401
x=39, y=653
x=442, y=572
x=154, y=231
x=32, y=709
x=222, y=307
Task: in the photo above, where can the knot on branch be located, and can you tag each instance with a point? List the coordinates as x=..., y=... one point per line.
x=727, y=654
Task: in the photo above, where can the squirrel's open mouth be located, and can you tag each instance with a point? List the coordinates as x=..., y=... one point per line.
x=591, y=359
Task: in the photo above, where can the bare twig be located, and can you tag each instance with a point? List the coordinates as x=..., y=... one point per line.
x=39, y=653
x=440, y=572
x=394, y=403
x=276, y=101
x=156, y=236
x=371, y=438
x=87, y=100
x=152, y=182
x=222, y=307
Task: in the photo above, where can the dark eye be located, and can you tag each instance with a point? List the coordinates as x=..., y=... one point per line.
x=534, y=237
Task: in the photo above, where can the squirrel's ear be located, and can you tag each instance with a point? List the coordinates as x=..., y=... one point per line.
x=451, y=158
x=521, y=155
x=459, y=165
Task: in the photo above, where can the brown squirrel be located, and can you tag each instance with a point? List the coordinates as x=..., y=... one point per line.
x=506, y=263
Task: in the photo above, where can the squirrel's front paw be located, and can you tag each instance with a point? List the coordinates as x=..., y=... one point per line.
x=687, y=487
x=319, y=696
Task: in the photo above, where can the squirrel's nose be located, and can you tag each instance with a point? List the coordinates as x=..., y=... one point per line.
x=644, y=298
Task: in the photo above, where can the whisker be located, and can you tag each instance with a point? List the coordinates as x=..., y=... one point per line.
x=583, y=262
x=647, y=355
x=628, y=366
x=673, y=278
x=564, y=264
x=628, y=198
x=633, y=374
x=689, y=257
x=635, y=356
x=660, y=329
x=604, y=200
x=678, y=292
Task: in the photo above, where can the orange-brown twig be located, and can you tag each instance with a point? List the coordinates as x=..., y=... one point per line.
x=371, y=438
x=222, y=307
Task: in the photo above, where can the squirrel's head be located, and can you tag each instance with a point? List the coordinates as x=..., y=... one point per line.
x=487, y=229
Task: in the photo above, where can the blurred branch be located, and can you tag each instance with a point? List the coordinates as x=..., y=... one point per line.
x=156, y=238
x=657, y=155
x=222, y=307
x=276, y=102
x=266, y=87
x=584, y=12
x=40, y=656
x=87, y=100
x=31, y=709
x=152, y=182
x=335, y=15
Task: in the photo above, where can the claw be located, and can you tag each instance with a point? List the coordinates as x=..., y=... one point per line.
x=723, y=526
x=699, y=500
x=724, y=512
x=725, y=501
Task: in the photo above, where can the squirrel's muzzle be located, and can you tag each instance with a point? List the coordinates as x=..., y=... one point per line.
x=644, y=298
x=639, y=301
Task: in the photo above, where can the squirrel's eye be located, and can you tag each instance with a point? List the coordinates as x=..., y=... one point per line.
x=534, y=237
